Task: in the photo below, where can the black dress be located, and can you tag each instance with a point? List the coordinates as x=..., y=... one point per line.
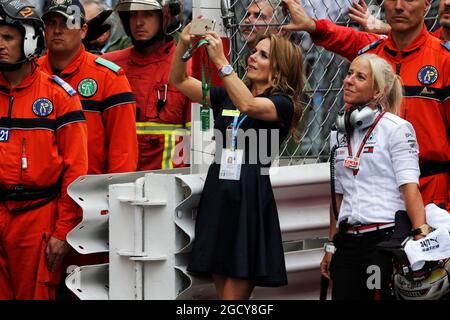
x=237, y=227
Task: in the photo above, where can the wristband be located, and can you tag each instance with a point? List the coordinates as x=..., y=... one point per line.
x=329, y=247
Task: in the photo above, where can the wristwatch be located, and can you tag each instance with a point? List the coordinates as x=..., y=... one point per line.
x=329, y=247
x=423, y=230
x=226, y=70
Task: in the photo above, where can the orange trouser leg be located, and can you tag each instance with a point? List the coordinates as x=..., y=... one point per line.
x=24, y=237
x=6, y=291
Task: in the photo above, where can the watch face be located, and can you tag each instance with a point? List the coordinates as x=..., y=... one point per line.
x=226, y=70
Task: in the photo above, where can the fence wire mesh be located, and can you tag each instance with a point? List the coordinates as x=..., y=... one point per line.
x=324, y=71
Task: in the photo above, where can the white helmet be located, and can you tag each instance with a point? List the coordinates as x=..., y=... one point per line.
x=433, y=287
x=23, y=15
x=134, y=5
x=171, y=12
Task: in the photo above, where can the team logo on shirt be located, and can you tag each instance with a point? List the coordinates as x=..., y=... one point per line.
x=371, y=140
x=369, y=149
x=87, y=87
x=428, y=75
x=42, y=107
x=342, y=141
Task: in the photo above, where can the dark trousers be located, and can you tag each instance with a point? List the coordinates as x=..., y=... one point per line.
x=358, y=270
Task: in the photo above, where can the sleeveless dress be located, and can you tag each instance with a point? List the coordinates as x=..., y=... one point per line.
x=237, y=228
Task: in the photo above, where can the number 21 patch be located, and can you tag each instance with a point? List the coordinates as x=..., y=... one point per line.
x=4, y=135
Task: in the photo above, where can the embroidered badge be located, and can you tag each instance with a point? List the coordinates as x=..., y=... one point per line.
x=369, y=149
x=4, y=135
x=87, y=87
x=428, y=75
x=42, y=107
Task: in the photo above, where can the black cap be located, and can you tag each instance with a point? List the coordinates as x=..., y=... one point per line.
x=68, y=8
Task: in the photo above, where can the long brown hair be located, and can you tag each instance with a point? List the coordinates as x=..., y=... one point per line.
x=286, y=64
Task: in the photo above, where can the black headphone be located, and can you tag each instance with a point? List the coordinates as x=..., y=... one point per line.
x=357, y=117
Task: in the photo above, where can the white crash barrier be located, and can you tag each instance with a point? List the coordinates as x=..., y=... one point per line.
x=89, y=282
x=91, y=194
x=152, y=225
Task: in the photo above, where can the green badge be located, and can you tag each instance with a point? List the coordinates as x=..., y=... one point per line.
x=87, y=87
x=204, y=118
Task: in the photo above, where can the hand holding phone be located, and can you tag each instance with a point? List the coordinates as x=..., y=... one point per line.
x=199, y=27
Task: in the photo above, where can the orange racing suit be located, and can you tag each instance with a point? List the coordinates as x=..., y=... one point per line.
x=424, y=68
x=110, y=110
x=43, y=147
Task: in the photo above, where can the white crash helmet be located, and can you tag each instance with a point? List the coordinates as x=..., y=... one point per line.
x=433, y=287
x=171, y=12
x=23, y=15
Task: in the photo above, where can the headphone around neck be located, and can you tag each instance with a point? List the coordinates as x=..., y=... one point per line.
x=358, y=117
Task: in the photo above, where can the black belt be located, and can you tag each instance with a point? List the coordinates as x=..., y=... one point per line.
x=434, y=167
x=361, y=229
x=20, y=193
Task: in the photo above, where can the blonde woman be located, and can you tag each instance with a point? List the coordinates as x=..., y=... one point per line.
x=377, y=174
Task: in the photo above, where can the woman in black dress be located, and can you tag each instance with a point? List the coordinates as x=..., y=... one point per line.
x=238, y=237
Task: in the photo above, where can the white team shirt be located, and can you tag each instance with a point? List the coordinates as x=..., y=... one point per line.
x=389, y=160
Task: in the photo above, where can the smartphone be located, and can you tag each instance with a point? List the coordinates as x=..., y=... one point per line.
x=199, y=27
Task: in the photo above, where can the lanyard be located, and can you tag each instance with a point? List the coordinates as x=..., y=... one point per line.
x=363, y=143
x=234, y=129
x=205, y=85
x=188, y=54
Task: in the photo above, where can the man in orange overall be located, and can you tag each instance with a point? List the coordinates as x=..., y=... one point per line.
x=163, y=113
x=43, y=147
x=105, y=94
x=421, y=60
x=359, y=14
x=443, y=33
x=104, y=91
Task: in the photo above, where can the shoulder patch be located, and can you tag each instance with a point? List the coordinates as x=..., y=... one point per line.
x=70, y=91
x=370, y=46
x=108, y=64
x=446, y=45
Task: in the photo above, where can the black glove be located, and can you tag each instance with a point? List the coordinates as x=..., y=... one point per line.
x=96, y=27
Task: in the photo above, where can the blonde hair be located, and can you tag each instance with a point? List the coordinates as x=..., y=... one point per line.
x=286, y=76
x=386, y=82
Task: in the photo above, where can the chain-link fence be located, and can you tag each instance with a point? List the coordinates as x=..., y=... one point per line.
x=324, y=71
